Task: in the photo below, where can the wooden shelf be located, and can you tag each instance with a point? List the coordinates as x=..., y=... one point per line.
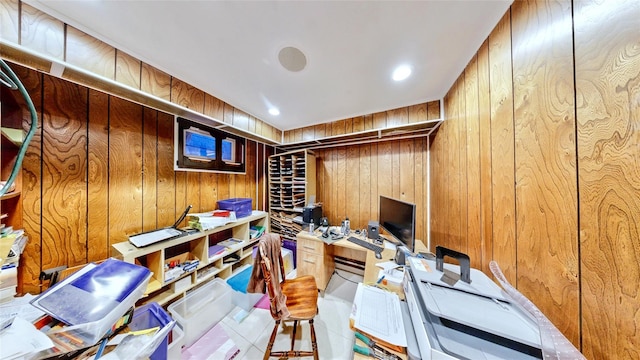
x=10, y=195
x=155, y=257
x=15, y=136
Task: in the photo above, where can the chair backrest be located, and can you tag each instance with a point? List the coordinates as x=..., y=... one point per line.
x=270, y=252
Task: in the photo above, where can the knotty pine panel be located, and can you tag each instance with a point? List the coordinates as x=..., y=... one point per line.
x=41, y=32
x=607, y=59
x=31, y=196
x=473, y=228
x=166, y=175
x=64, y=166
x=545, y=155
x=9, y=20
x=155, y=82
x=484, y=129
x=90, y=53
x=98, y=177
x=128, y=69
x=187, y=95
x=502, y=138
x=149, y=169
x=125, y=169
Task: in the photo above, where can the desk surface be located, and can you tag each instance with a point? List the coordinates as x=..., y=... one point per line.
x=371, y=270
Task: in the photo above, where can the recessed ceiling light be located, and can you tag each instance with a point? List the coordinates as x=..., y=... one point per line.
x=401, y=72
x=274, y=111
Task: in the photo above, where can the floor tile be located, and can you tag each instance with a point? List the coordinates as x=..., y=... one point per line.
x=251, y=326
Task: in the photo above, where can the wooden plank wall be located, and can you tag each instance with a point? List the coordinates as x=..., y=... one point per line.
x=536, y=166
x=27, y=26
x=100, y=168
x=351, y=179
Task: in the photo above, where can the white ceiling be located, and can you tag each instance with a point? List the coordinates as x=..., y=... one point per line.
x=230, y=49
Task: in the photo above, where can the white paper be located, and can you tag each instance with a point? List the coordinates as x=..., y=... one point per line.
x=20, y=307
x=378, y=313
x=22, y=338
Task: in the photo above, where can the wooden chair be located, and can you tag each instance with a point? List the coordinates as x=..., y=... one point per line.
x=301, y=299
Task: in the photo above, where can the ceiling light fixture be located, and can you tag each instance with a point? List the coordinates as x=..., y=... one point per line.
x=292, y=59
x=401, y=72
x=274, y=111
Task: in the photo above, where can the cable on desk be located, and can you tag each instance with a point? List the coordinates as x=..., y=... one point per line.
x=351, y=281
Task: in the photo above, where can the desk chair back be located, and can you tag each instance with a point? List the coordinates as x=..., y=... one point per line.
x=291, y=299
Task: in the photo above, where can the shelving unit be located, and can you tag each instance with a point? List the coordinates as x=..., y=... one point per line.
x=11, y=138
x=194, y=247
x=292, y=182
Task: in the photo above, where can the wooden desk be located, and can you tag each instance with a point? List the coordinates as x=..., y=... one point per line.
x=315, y=257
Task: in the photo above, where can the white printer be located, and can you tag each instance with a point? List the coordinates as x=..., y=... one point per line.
x=459, y=313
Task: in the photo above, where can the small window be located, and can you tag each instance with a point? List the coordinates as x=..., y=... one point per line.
x=199, y=145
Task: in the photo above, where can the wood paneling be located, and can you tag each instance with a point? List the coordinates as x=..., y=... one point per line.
x=98, y=176
x=64, y=167
x=41, y=32
x=350, y=180
x=31, y=196
x=90, y=53
x=433, y=110
x=149, y=169
x=128, y=69
x=187, y=95
x=545, y=158
x=166, y=176
x=9, y=20
x=558, y=203
x=125, y=169
x=607, y=57
x=227, y=115
x=214, y=107
x=240, y=119
x=502, y=138
x=155, y=82
x=337, y=128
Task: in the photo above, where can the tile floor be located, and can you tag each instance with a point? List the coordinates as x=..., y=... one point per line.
x=333, y=335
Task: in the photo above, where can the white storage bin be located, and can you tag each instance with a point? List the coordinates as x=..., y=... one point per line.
x=202, y=308
x=174, y=350
x=238, y=282
x=287, y=261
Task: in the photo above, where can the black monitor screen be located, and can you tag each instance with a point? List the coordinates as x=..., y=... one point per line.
x=398, y=218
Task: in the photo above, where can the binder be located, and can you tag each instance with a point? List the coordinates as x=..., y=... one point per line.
x=93, y=292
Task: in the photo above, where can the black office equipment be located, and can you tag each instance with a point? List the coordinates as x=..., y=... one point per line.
x=399, y=219
x=154, y=236
x=373, y=230
x=377, y=249
x=312, y=214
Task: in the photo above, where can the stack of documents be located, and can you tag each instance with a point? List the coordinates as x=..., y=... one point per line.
x=206, y=221
x=377, y=313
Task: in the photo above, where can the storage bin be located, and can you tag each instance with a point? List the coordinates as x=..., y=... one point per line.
x=174, y=349
x=202, y=308
x=287, y=260
x=149, y=316
x=241, y=206
x=238, y=283
x=291, y=245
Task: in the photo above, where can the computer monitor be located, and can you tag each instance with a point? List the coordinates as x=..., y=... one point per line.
x=398, y=218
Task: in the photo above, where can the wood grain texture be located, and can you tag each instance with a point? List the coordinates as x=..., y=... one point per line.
x=193, y=194
x=607, y=58
x=64, y=167
x=502, y=138
x=545, y=160
x=319, y=131
x=149, y=169
x=181, y=191
x=10, y=20
x=166, y=176
x=433, y=110
x=128, y=69
x=417, y=113
x=348, y=126
x=297, y=135
x=352, y=195
x=379, y=120
x=155, y=82
x=252, y=124
x=41, y=32
x=227, y=115
x=364, y=186
x=484, y=128
x=187, y=95
x=214, y=107
x=98, y=177
x=338, y=127
x=308, y=133
x=358, y=124
x=397, y=117
x=31, y=196
x=240, y=119
x=472, y=167
x=90, y=53
x=368, y=122
x=125, y=169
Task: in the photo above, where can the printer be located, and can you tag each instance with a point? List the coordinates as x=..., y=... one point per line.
x=460, y=313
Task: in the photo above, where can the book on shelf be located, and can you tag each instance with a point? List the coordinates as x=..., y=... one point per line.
x=229, y=243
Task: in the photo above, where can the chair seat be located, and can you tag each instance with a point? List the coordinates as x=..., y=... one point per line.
x=302, y=297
